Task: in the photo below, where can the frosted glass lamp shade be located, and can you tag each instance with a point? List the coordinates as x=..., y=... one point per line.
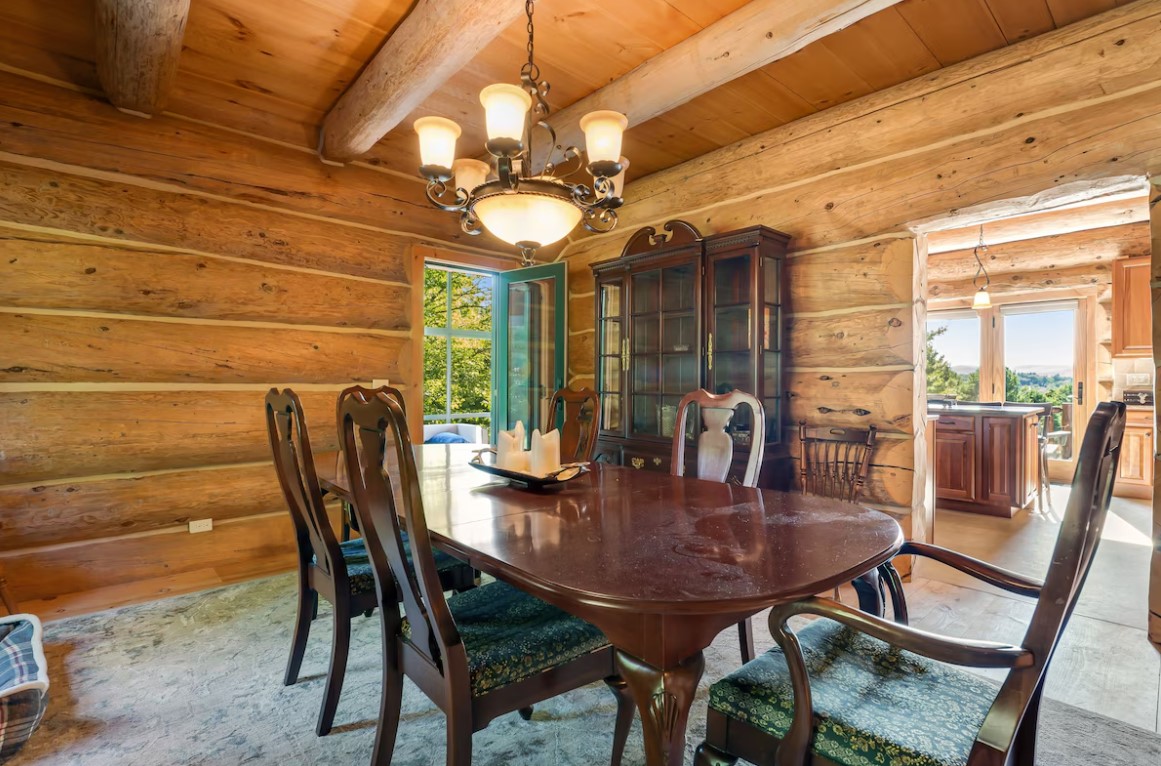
x=603, y=131
x=470, y=174
x=528, y=219
x=982, y=300
x=437, y=142
x=505, y=112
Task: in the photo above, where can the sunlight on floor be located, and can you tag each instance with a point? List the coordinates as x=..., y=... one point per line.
x=1121, y=531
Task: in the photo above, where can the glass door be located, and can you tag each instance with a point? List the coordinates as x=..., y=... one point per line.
x=1042, y=366
x=530, y=343
x=954, y=340
x=731, y=356
x=663, y=347
x=612, y=353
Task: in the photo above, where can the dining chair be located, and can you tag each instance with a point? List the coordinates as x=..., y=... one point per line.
x=834, y=462
x=852, y=688
x=339, y=572
x=349, y=522
x=1043, y=431
x=478, y=654
x=715, y=454
x=576, y=414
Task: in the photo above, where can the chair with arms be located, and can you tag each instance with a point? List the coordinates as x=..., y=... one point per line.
x=339, y=572
x=715, y=454
x=478, y=654
x=578, y=429
x=854, y=689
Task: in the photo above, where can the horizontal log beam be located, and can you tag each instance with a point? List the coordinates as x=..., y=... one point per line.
x=428, y=47
x=871, y=273
x=55, y=272
x=54, y=435
x=88, y=510
x=49, y=348
x=138, y=46
x=852, y=399
x=759, y=33
x=1096, y=275
x=1090, y=247
x=50, y=200
x=1099, y=215
x=872, y=338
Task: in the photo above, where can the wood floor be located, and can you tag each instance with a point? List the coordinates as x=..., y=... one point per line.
x=1105, y=662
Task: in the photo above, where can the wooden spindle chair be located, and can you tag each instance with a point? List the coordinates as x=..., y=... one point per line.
x=715, y=454
x=478, y=654
x=834, y=462
x=575, y=413
x=840, y=671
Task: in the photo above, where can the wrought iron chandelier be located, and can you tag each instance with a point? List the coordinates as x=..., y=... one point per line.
x=523, y=207
x=981, y=300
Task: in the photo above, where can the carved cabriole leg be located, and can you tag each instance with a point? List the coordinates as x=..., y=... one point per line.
x=307, y=603
x=625, y=708
x=708, y=755
x=663, y=698
x=870, y=590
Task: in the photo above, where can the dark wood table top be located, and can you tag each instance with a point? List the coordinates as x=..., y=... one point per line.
x=645, y=541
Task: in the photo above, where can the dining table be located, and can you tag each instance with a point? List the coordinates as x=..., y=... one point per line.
x=661, y=564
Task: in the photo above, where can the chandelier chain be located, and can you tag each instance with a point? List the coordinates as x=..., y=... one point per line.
x=980, y=270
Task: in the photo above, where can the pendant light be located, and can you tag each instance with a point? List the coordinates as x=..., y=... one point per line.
x=981, y=300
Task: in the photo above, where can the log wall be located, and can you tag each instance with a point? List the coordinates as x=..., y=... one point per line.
x=1066, y=115
x=156, y=278
x=1155, y=283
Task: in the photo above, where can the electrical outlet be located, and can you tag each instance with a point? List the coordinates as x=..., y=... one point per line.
x=201, y=525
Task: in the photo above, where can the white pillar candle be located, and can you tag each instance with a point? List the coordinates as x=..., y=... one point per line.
x=545, y=452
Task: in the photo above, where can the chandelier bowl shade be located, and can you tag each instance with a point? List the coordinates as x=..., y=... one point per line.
x=537, y=214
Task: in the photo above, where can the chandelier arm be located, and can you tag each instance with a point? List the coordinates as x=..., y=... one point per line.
x=469, y=223
x=437, y=192
x=599, y=220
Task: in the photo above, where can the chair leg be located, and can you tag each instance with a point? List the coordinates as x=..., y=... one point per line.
x=708, y=755
x=459, y=742
x=307, y=603
x=1024, y=748
x=340, y=647
x=389, y=707
x=625, y=710
x=525, y=713
x=746, y=639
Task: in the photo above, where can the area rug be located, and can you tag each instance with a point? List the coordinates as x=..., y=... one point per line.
x=197, y=680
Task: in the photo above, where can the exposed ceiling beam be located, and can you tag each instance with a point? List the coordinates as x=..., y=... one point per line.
x=757, y=34
x=436, y=40
x=138, y=45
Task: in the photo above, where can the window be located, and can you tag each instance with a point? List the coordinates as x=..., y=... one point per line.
x=457, y=346
x=953, y=355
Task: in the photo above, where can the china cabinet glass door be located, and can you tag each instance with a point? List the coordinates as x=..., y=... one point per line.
x=664, y=362
x=612, y=353
x=731, y=359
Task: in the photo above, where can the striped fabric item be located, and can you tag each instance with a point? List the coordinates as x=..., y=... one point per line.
x=23, y=681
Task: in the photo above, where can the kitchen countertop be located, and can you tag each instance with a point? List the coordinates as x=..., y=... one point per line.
x=1013, y=410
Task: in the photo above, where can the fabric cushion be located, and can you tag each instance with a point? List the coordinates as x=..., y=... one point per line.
x=359, y=571
x=23, y=681
x=509, y=635
x=875, y=705
x=446, y=437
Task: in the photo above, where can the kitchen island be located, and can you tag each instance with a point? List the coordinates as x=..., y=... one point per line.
x=986, y=456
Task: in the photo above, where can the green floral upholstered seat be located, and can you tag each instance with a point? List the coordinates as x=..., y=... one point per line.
x=359, y=564
x=875, y=705
x=509, y=635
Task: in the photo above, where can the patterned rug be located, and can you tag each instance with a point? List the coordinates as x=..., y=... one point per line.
x=197, y=680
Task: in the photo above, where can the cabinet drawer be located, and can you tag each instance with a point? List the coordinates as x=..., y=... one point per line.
x=645, y=461
x=1139, y=418
x=957, y=423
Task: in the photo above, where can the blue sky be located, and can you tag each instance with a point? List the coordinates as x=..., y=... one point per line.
x=1031, y=341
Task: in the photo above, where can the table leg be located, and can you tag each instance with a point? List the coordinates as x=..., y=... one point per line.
x=869, y=587
x=663, y=699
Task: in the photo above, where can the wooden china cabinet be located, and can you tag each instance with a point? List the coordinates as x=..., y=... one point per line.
x=677, y=312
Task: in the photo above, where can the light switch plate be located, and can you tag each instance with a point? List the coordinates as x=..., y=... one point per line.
x=201, y=525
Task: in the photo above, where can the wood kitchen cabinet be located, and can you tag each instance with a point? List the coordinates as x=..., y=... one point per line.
x=1132, y=309
x=677, y=312
x=986, y=458
x=1135, y=471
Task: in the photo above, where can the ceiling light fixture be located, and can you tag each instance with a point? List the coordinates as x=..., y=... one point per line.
x=525, y=208
x=981, y=300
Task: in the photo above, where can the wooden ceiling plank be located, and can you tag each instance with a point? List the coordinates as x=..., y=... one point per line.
x=1021, y=19
x=954, y=30
x=819, y=77
x=428, y=47
x=138, y=45
x=1070, y=11
x=752, y=37
x=883, y=50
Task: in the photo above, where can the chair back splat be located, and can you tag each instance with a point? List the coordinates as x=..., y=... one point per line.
x=375, y=440
x=294, y=462
x=715, y=446
x=834, y=462
x=575, y=414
